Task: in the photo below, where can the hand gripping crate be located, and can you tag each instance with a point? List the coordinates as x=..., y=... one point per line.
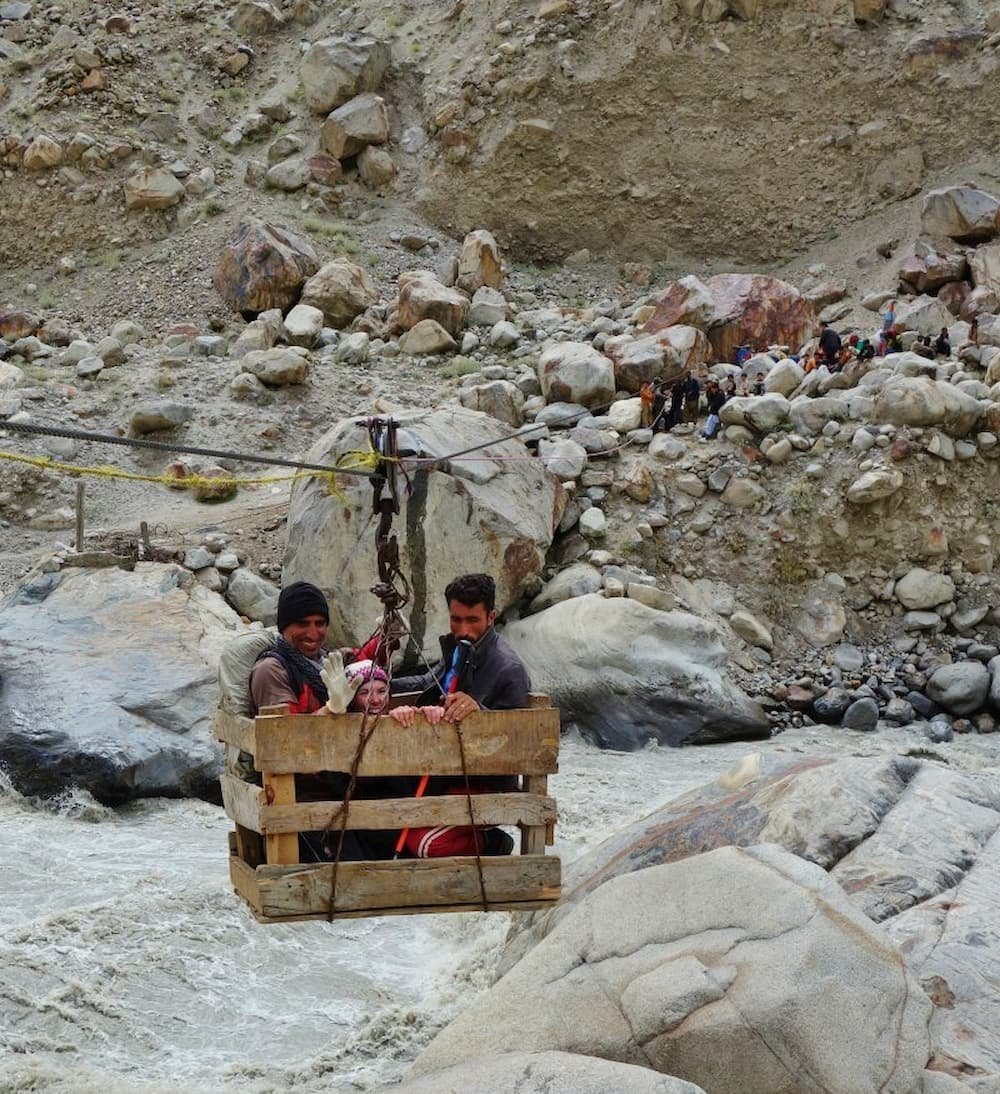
x=264, y=850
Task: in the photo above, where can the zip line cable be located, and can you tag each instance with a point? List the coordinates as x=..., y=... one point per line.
x=363, y=466
x=163, y=446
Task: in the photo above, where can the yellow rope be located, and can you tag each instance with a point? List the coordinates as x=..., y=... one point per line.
x=350, y=461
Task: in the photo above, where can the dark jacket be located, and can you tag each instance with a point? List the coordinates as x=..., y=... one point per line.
x=829, y=341
x=716, y=401
x=493, y=675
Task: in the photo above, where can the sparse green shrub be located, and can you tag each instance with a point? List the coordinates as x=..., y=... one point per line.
x=459, y=366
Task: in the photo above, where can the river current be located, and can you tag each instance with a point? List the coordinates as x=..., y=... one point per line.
x=127, y=963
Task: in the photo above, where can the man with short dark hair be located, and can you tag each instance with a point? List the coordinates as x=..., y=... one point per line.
x=477, y=670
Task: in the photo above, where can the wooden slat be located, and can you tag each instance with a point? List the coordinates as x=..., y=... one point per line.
x=427, y=909
x=533, y=838
x=235, y=730
x=499, y=742
x=420, y=883
x=243, y=801
x=538, y=700
x=250, y=846
x=244, y=879
x=280, y=790
x=392, y=813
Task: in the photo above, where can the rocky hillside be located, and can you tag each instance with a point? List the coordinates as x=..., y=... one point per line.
x=688, y=135
x=619, y=139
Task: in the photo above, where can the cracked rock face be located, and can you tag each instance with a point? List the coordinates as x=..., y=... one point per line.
x=744, y=969
x=547, y=1073
x=87, y=700
x=915, y=846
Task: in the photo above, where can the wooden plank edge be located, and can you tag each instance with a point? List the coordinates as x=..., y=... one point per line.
x=389, y=814
x=404, y=866
x=540, y=904
x=307, y=744
x=242, y=801
x=235, y=730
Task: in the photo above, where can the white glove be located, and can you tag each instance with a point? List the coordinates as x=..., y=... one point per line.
x=339, y=689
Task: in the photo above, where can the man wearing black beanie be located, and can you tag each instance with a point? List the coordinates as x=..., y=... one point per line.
x=293, y=670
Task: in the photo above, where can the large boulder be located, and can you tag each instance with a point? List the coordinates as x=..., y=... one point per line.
x=960, y=212
x=984, y=265
x=341, y=290
x=761, y=413
x=277, y=367
x=501, y=399
x=960, y=688
x=546, y=1073
x=422, y=296
x=575, y=372
x=153, y=188
x=361, y=121
x=931, y=266
x=785, y=377
x=919, y=589
x=427, y=337
x=154, y=415
x=17, y=323
x=460, y=516
x=674, y=967
x=875, y=485
x=689, y=344
x=626, y=674
x=923, y=314
x=847, y=815
x=479, y=264
x=745, y=309
x=687, y=301
x=919, y=401
x=809, y=416
x=108, y=683
x=757, y=310
x=338, y=68
x=638, y=360
x=264, y=266
x=952, y=943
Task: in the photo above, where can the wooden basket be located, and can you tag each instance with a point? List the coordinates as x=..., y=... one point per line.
x=264, y=849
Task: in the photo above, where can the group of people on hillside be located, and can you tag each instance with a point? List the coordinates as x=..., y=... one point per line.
x=667, y=405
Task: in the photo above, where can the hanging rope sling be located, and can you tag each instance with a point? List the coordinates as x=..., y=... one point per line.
x=393, y=590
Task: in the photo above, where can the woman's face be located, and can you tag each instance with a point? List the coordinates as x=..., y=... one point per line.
x=372, y=696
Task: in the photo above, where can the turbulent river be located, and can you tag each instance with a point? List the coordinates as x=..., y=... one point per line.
x=126, y=962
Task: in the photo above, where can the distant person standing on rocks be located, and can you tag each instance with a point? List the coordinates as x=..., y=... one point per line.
x=647, y=397
x=829, y=343
x=974, y=331
x=758, y=384
x=692, y=399
x=676, y=411
x=942, y=344
x=889, y=318
x=659, y=406
x=716, y=400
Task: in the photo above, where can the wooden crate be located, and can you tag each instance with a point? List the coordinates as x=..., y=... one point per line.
x=264, y=849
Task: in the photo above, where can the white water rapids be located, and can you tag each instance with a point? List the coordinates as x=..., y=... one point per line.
x=127, y=963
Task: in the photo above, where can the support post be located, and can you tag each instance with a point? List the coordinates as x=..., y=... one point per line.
x=79, y=515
